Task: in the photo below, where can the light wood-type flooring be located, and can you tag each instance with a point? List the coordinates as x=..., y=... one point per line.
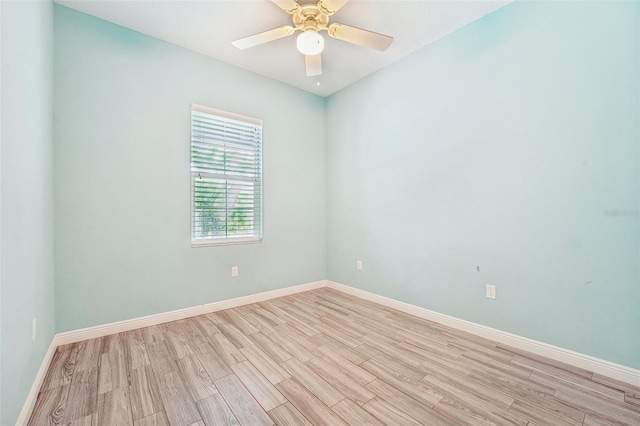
x=319, y=358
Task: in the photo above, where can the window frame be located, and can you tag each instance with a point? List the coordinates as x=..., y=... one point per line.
x=258, y=209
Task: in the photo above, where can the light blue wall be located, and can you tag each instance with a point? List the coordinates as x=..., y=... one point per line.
x=121, y=159
x=500, y=146
x=27, y=197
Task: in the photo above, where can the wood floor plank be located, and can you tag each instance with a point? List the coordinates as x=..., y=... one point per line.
x=589, y=400
x=451, y=334
x=60, y=371
x=340, y=381
x=338, y=335
x=298, y=313
x=511, y=385
x=535, y=394
x=111, y=343
x=83, y=395
x=268, y=367
x=321, y=339
x=270, y=347
x=227, y=351
x=113, y=372
x=595, y=420
x=157, y=351
x=261, y=311
x=344, y=351
x=485, y=364
x=313, y=382
x=296, y=335
x=144, y=393
x=388, y=414
x=215, y=411
x=114, y=408
x=176, y=341
x=357, y=373
x=291, y=346
x=390, y=348
x=617, y=384
x=342, y=309
x=260, y=323
x=296, y=322
x=241, y=402
x=396, y=364
x=631, y=393
x=569, y=368
x=493, y=352
x=156, y=419
x=178, y=405
x=235, y=336
x=198, y=342
x=352, y=414
x=90, y=420
x=288, y=415
x=135, y=351
x=469, y=388
x=439, y=349
x=463, y=398
x=542, y=414
x=50, y=406
x=569, y=377
x=406, y=404
x=435, y=363
x=400, y=382
x=239, y=321
x=214, y=365
x=205, y=325
x=460, y=415
x=307, y=404
x=88, y=354
x=262, y=390
x=196, y=378
x=218, y=317
x=344, y=326
x=347, y=324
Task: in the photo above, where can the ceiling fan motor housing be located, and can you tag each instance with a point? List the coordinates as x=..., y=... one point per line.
x=309, y=17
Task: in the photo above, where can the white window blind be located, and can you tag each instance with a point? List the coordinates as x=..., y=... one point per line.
x=226, y=177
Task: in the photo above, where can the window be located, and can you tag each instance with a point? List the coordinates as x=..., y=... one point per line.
x=226, y=177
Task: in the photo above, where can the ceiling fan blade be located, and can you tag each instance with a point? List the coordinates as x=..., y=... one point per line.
x=264, y=37
x=288, y=6
x=360, y=37
x=314, y=64
x=330, y=6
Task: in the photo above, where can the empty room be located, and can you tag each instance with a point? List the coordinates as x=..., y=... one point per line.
x=281, y=212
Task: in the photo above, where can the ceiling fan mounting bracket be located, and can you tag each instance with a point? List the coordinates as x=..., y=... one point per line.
x=309, y=17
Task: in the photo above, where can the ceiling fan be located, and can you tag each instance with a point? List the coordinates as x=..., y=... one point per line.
x=310, y=19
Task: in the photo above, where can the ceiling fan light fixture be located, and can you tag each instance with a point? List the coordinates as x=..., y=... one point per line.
x=310, y=43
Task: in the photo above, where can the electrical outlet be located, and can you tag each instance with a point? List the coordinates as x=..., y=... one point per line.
x=491, y=291
x=359, y=265
x=234, y=271
x=33, y=330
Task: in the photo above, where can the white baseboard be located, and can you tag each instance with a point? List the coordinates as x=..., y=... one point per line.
x=30, y=403
x=576, y=359
x=147, y=321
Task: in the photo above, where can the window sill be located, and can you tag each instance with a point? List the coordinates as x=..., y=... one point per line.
x=226, y=242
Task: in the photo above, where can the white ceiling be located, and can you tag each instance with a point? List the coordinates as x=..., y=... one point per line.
x=209, y=27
